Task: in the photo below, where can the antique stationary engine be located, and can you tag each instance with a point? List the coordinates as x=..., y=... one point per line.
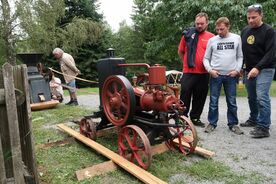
x=146, y=110
x=39, y=88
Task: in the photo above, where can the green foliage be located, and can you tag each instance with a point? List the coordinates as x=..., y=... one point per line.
x=38, y=22
x=81, y=9
x=73, y=25
x=158, y=25
x=79, y=32
x=43, y=34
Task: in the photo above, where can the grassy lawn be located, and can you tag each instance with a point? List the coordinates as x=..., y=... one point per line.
x=241, y=91
x=84, y=91
x=58, y=163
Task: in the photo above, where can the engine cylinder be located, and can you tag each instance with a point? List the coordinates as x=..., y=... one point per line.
x=159, y=101
x=157, y=75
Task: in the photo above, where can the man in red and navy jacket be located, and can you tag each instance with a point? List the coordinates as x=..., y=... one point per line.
x=195, y=79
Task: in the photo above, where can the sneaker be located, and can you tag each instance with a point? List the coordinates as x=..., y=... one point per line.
x=259, y=132
x=236, y=129
x=248, y=123
x=209, y=128
x=74, y=102
x=197, y=122
x=69, y=103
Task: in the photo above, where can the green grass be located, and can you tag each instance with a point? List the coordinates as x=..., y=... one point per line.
x=241, y=91
x=44, y=122
x=57, y=164
x=84, y=91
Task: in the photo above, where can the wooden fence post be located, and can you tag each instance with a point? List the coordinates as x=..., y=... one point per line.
x=25, y=121
x=2, y=165
x=13, y=124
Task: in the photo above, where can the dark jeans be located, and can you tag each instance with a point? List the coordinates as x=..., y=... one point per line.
x=229, y=85
x=258, y=97
x=194, y=87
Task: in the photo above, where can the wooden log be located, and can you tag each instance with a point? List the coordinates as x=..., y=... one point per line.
x=135, y=170
x=13, y=123
x=109, y=166
x=44, y=105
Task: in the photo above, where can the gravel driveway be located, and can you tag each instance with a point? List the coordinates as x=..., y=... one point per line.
x=241, y=152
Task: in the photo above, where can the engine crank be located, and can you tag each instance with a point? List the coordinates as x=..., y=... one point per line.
x=88, y=128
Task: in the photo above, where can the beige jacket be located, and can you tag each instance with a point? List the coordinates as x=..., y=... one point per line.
x=68, y=67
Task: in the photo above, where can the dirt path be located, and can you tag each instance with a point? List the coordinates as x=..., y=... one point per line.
x=241, y=152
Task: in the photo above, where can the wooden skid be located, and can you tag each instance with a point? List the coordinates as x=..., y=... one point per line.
x=109, y=166
x=136, y=171
x=198, y=150
x=96, y=170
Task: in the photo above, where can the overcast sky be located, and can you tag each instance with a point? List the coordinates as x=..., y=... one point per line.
x=115, y=11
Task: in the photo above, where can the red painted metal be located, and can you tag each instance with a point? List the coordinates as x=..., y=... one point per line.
x=187, y=134
x=157, y=75
x=160, y=100
x=118, y=100
x=134, y=145
x=124, y=104
x=134, y=64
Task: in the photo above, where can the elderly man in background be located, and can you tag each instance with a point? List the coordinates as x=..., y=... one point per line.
x=70, y=71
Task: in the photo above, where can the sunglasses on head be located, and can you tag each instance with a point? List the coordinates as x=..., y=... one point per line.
x=256, y=7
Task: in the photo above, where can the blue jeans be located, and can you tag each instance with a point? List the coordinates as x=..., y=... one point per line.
x=72, y=84
x=229, y=85
x=258, y=97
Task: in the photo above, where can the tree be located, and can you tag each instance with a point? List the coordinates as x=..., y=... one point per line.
x=39, y=21
x=88, y=53
x=7, y=32
x=158, y=24
x=73, y=25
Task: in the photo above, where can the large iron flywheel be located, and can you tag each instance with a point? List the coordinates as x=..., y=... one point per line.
x=118, y=99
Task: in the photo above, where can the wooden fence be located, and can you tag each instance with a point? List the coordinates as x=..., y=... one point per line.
x=17, y=156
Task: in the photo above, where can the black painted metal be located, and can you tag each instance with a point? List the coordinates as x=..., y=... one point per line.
x=38, y=85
